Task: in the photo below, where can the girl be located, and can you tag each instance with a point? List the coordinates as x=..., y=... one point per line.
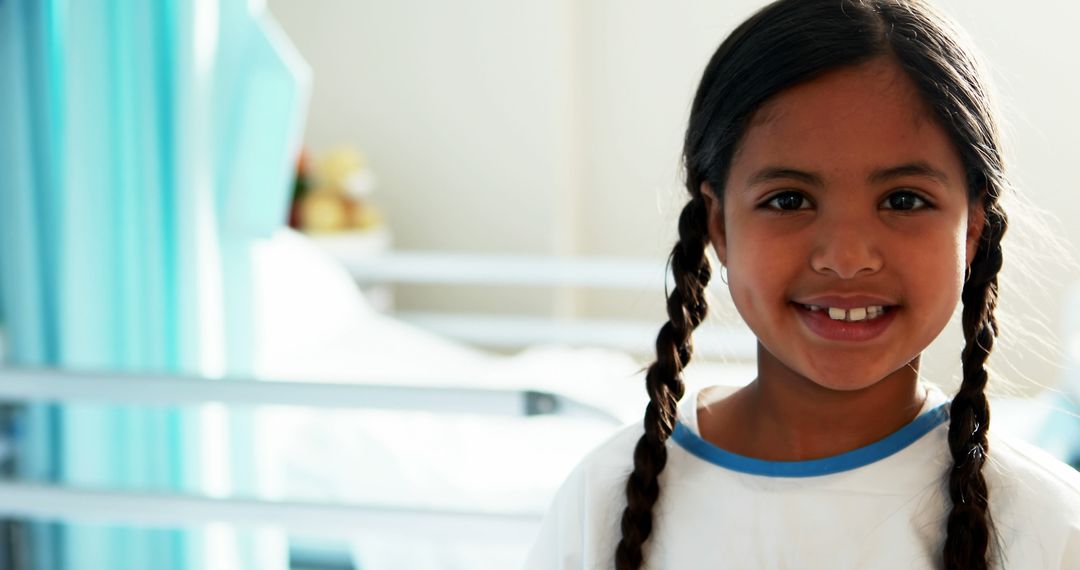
x=843, y=161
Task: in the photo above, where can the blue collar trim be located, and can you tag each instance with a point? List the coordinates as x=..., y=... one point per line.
x=846, y=461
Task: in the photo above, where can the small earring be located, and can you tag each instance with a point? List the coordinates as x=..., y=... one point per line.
x=723, y=273
x=967, y=273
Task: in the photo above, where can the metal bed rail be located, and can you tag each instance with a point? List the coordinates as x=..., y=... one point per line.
x=174, y=510
x=517, y=331
x=116, y=506
x=44, y=385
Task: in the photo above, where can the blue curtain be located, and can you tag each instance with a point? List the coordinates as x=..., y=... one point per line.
x=144, y=148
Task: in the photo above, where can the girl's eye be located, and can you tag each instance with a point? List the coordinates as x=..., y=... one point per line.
x=904, y=201
x=788, y=201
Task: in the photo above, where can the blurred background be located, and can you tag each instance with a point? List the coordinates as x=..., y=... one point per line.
x=353, y=285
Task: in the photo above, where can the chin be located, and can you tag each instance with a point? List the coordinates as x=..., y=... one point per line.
x=856, y=374
x=842, y=379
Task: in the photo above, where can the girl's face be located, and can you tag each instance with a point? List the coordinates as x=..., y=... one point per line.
x=845, y=226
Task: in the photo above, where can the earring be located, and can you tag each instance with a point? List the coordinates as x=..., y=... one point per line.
x=723, y=273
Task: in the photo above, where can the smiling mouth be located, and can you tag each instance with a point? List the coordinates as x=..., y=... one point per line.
x=852, y=315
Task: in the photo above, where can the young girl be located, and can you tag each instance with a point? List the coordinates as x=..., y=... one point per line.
x=843, y=161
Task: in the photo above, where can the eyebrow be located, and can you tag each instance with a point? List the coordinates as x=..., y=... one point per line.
x=917, y=168
x=771, y=173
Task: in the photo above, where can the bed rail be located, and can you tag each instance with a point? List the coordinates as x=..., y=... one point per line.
x=116, y=506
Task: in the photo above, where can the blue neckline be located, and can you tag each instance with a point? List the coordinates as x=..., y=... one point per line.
x=846, y=461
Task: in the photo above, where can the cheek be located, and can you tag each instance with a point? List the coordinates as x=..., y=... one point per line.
x=935, y=271
x=760, y=268
x=942, y=259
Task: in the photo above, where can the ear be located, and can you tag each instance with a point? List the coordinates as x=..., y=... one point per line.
x=976, y=221
x=714, y=208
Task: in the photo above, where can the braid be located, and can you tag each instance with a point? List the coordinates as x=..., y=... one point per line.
x=686, y=308
x=968, y=527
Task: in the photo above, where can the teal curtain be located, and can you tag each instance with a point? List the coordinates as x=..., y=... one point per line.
x=145, y=147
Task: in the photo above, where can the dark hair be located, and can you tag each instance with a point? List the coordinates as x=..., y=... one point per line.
x=786, y=43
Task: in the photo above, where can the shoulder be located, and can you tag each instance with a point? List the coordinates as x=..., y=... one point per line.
x=608, y=463
x=580, y=528
x=1024, y=469
x=1034, y=505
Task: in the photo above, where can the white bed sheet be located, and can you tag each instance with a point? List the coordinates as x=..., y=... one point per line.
x=315, y=326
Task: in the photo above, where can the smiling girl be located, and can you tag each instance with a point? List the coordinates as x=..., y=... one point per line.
x=843, y=162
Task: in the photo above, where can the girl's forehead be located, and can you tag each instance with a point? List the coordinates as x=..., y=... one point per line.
x=870, y=113
x=879, y=81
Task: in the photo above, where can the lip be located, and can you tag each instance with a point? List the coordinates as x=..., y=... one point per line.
x=821, y=325
x=846, y=301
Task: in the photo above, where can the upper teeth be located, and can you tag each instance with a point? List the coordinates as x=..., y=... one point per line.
x=854, y=314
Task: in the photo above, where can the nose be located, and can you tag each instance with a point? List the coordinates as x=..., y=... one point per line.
x=847, y=247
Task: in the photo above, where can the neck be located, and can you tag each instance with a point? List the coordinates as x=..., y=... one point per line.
x=783, y=416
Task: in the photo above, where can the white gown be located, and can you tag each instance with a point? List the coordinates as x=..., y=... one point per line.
x=882, y=506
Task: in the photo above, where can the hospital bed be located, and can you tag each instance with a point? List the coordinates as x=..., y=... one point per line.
x=377, y=431
x=305, y=518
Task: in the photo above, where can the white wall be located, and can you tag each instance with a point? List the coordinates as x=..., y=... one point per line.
x=554, y=126
x=463, y=109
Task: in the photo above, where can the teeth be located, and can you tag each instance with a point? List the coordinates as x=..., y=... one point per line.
x=851, y=315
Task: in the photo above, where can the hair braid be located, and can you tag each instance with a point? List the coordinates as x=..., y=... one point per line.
x=968, y=527
x=686, y=308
